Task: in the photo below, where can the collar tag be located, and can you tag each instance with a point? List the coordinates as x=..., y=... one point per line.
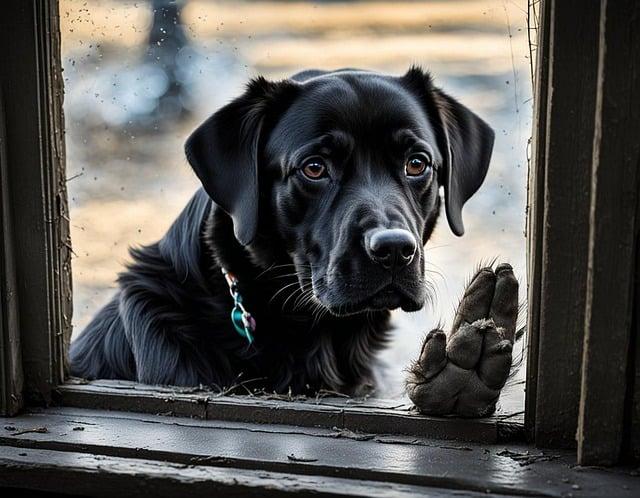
x=241, y=319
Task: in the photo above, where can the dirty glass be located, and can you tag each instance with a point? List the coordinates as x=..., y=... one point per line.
x=140, y=75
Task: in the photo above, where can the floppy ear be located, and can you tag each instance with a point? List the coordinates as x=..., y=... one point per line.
x=224, y=152
x=465, y=140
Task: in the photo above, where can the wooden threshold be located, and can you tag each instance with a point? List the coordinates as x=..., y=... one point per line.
x=371, y=415
x=95, y=475
x=98, y=452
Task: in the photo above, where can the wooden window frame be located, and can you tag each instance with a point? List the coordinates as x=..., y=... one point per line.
x=568, y=288
x=36, y=267
x=583, y=377
x=46, y=260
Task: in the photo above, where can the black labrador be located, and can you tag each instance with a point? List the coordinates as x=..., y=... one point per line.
x=319, y=193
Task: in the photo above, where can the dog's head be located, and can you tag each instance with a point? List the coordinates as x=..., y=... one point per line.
x=345, y=167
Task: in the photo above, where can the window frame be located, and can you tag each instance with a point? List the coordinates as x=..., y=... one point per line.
x=35, y=258
x=36, y=269
x=47, y=261
x=583, y=377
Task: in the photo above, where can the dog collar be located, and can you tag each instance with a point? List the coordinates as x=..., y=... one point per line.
x=241, y=319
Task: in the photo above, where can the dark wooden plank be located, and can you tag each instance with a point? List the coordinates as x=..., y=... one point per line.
x=631, y=438
x=573, y=52
x=497, y=469
x=31, y=83
x=535, y=209
x=612, y=239
x=316, y=451
x=52, y=91
x=631, y=441
x=366, y=415
x=100, y=476
x=10, y=355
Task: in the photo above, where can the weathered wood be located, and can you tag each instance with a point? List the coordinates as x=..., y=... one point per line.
x=10, y=355
x=31, y=83
x=631, y=438
x=370, y=415
x=90, y=475
x=612, y=238
x=535, y=212
x=293, y=451
x=61, y=298
x=101, y=476
x=573, y=52
x=631, y=441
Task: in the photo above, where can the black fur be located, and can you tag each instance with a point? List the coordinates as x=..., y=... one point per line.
x=299, y=247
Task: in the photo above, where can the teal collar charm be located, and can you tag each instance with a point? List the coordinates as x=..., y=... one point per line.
x=242, y=320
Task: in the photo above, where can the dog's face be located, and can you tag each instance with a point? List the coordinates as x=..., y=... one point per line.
x=353, y=164
x=347, y=168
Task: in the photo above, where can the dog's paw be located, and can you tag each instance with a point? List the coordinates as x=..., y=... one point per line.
x=464, y=375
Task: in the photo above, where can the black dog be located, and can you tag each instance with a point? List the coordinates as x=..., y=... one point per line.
x=320, y=192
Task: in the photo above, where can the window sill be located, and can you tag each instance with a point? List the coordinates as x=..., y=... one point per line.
x=370, y=415
x=99, y=453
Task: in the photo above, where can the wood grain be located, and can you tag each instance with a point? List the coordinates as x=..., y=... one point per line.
x=369, y=415
x=10, y=354
x=32, y=87
x=613, y=236
x=573, y=53
x=90, y=475
x=535, y=214
x=146, y=442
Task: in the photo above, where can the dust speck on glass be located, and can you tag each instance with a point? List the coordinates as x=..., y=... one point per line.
x=140, y=75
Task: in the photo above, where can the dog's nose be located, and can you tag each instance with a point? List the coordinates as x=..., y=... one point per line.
x=392, y=248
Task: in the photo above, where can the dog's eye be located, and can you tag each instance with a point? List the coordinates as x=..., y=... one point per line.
x=314, y=168
x=417, y=164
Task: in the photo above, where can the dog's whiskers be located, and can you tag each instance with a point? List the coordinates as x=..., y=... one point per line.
x=294, y=274
x=282, y=289
x=299, y=301
x=302, y=289
x=304, y=299
x=284, y=265
x=319, y=313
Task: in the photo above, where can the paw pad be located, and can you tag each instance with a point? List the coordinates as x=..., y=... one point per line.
x=464, y=374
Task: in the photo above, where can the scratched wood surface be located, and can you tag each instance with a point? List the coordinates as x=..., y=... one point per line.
x=98, y=475
x=506, y=469
x=369, y=415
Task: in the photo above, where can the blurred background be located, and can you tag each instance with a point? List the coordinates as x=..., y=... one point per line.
x=140, y=75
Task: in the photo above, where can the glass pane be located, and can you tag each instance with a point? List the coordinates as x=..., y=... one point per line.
x=141, y=75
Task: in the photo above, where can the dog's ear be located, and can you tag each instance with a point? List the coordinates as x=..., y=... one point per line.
x=464, y=139
x=224, y=151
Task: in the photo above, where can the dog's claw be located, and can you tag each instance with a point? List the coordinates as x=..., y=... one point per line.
x=464, y=375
